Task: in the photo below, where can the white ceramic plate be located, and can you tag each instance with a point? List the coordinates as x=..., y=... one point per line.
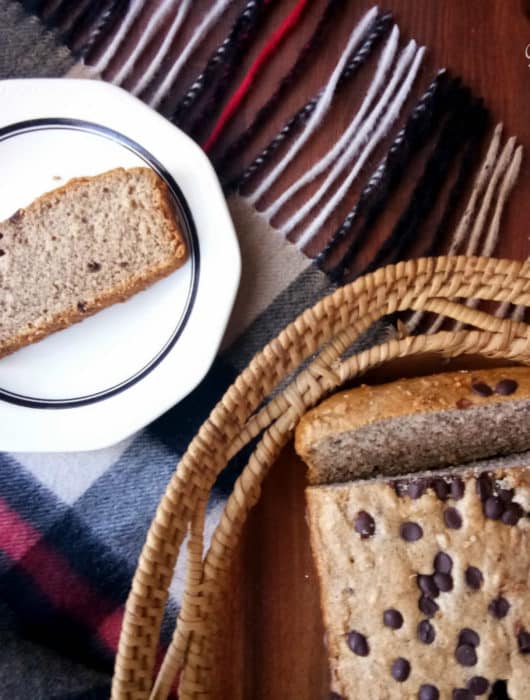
x=101, y=380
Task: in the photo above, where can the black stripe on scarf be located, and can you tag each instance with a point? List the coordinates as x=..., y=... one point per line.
x=454, y=135
x=457, y=97
x=223, y=62
x=38, y=620
x=468, y=164
x=420, y=125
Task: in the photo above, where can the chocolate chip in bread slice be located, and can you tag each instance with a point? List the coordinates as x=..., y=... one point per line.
x=86, y=245
x=416, y=424
x=425, y=583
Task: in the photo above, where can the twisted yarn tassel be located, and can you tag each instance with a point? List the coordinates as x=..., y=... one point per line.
x=467, y=164
x=341, y=270
x=270, y=48
x=201, y=31
x=321, y=108
x=456, y=131
x=410, y=139
x=225, y=57
x=101, y=64
x=150, y=72
x=462, y=230
x=344, y=142
x=380, y=132
x=156, y=20
x=502, y=181
x=99, y=23
x=263, y=114
x=380, y=27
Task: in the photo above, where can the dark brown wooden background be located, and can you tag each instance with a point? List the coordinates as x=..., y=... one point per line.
x=274, y=638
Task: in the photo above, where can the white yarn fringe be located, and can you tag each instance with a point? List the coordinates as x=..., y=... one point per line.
x=321, y=109
x=194, y=41
x=380, y=132
x=132, y=14
x=384, y=64
x=156, y=20
x=149, y=73
x=353, y=149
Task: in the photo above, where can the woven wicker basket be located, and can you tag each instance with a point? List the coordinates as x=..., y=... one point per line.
x=307, y=361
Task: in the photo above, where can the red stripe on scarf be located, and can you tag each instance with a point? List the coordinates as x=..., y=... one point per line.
x=51, y=572
x=109, y=630
x=266, y=52
x=17, y=536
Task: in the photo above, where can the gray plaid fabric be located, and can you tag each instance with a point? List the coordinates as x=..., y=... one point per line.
x=26, y=48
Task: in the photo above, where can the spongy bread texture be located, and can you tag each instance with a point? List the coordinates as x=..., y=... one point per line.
x=414, y=424
x=367, y=567
x=82, y=247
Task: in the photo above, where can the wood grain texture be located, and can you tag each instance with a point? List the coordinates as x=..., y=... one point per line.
x=274, y=638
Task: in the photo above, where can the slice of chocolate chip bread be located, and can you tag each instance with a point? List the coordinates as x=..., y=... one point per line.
x=82, y=247
x=425, y=583
x=415, y=424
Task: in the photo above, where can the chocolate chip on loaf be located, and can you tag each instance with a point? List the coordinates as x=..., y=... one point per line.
x=481, y=388
x=523, y=641
x=364, y=524
x=443, y=564
x=466, y=655
x=462, y=694
x=426, y=632
x=499, y=607
x=452, y=518
x=444, y=582
x=478, y=685
x=506, y=387
x=427, y=585
x=469, y=636
x=393, y=618
x=428, y=606
x=411, y=532
x=358, y=643
x=428, y=692
x=474, y=577
x=400, y=670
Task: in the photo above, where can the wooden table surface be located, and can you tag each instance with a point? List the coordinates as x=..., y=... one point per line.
x=274, y=637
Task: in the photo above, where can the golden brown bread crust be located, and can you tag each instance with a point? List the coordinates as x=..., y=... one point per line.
x=367, y=405
x=121, y=292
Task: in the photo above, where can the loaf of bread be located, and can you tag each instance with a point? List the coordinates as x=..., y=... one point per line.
x=425, y=583
x=75, y=250
x=415, y=424
x=424, y=566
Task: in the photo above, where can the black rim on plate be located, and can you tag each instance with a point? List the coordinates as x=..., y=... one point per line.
x=188, y=225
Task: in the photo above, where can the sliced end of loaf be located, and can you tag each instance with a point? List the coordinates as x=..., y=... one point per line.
x=416, y=424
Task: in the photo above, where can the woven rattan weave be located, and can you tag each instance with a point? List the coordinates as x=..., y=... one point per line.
x=305, y=362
